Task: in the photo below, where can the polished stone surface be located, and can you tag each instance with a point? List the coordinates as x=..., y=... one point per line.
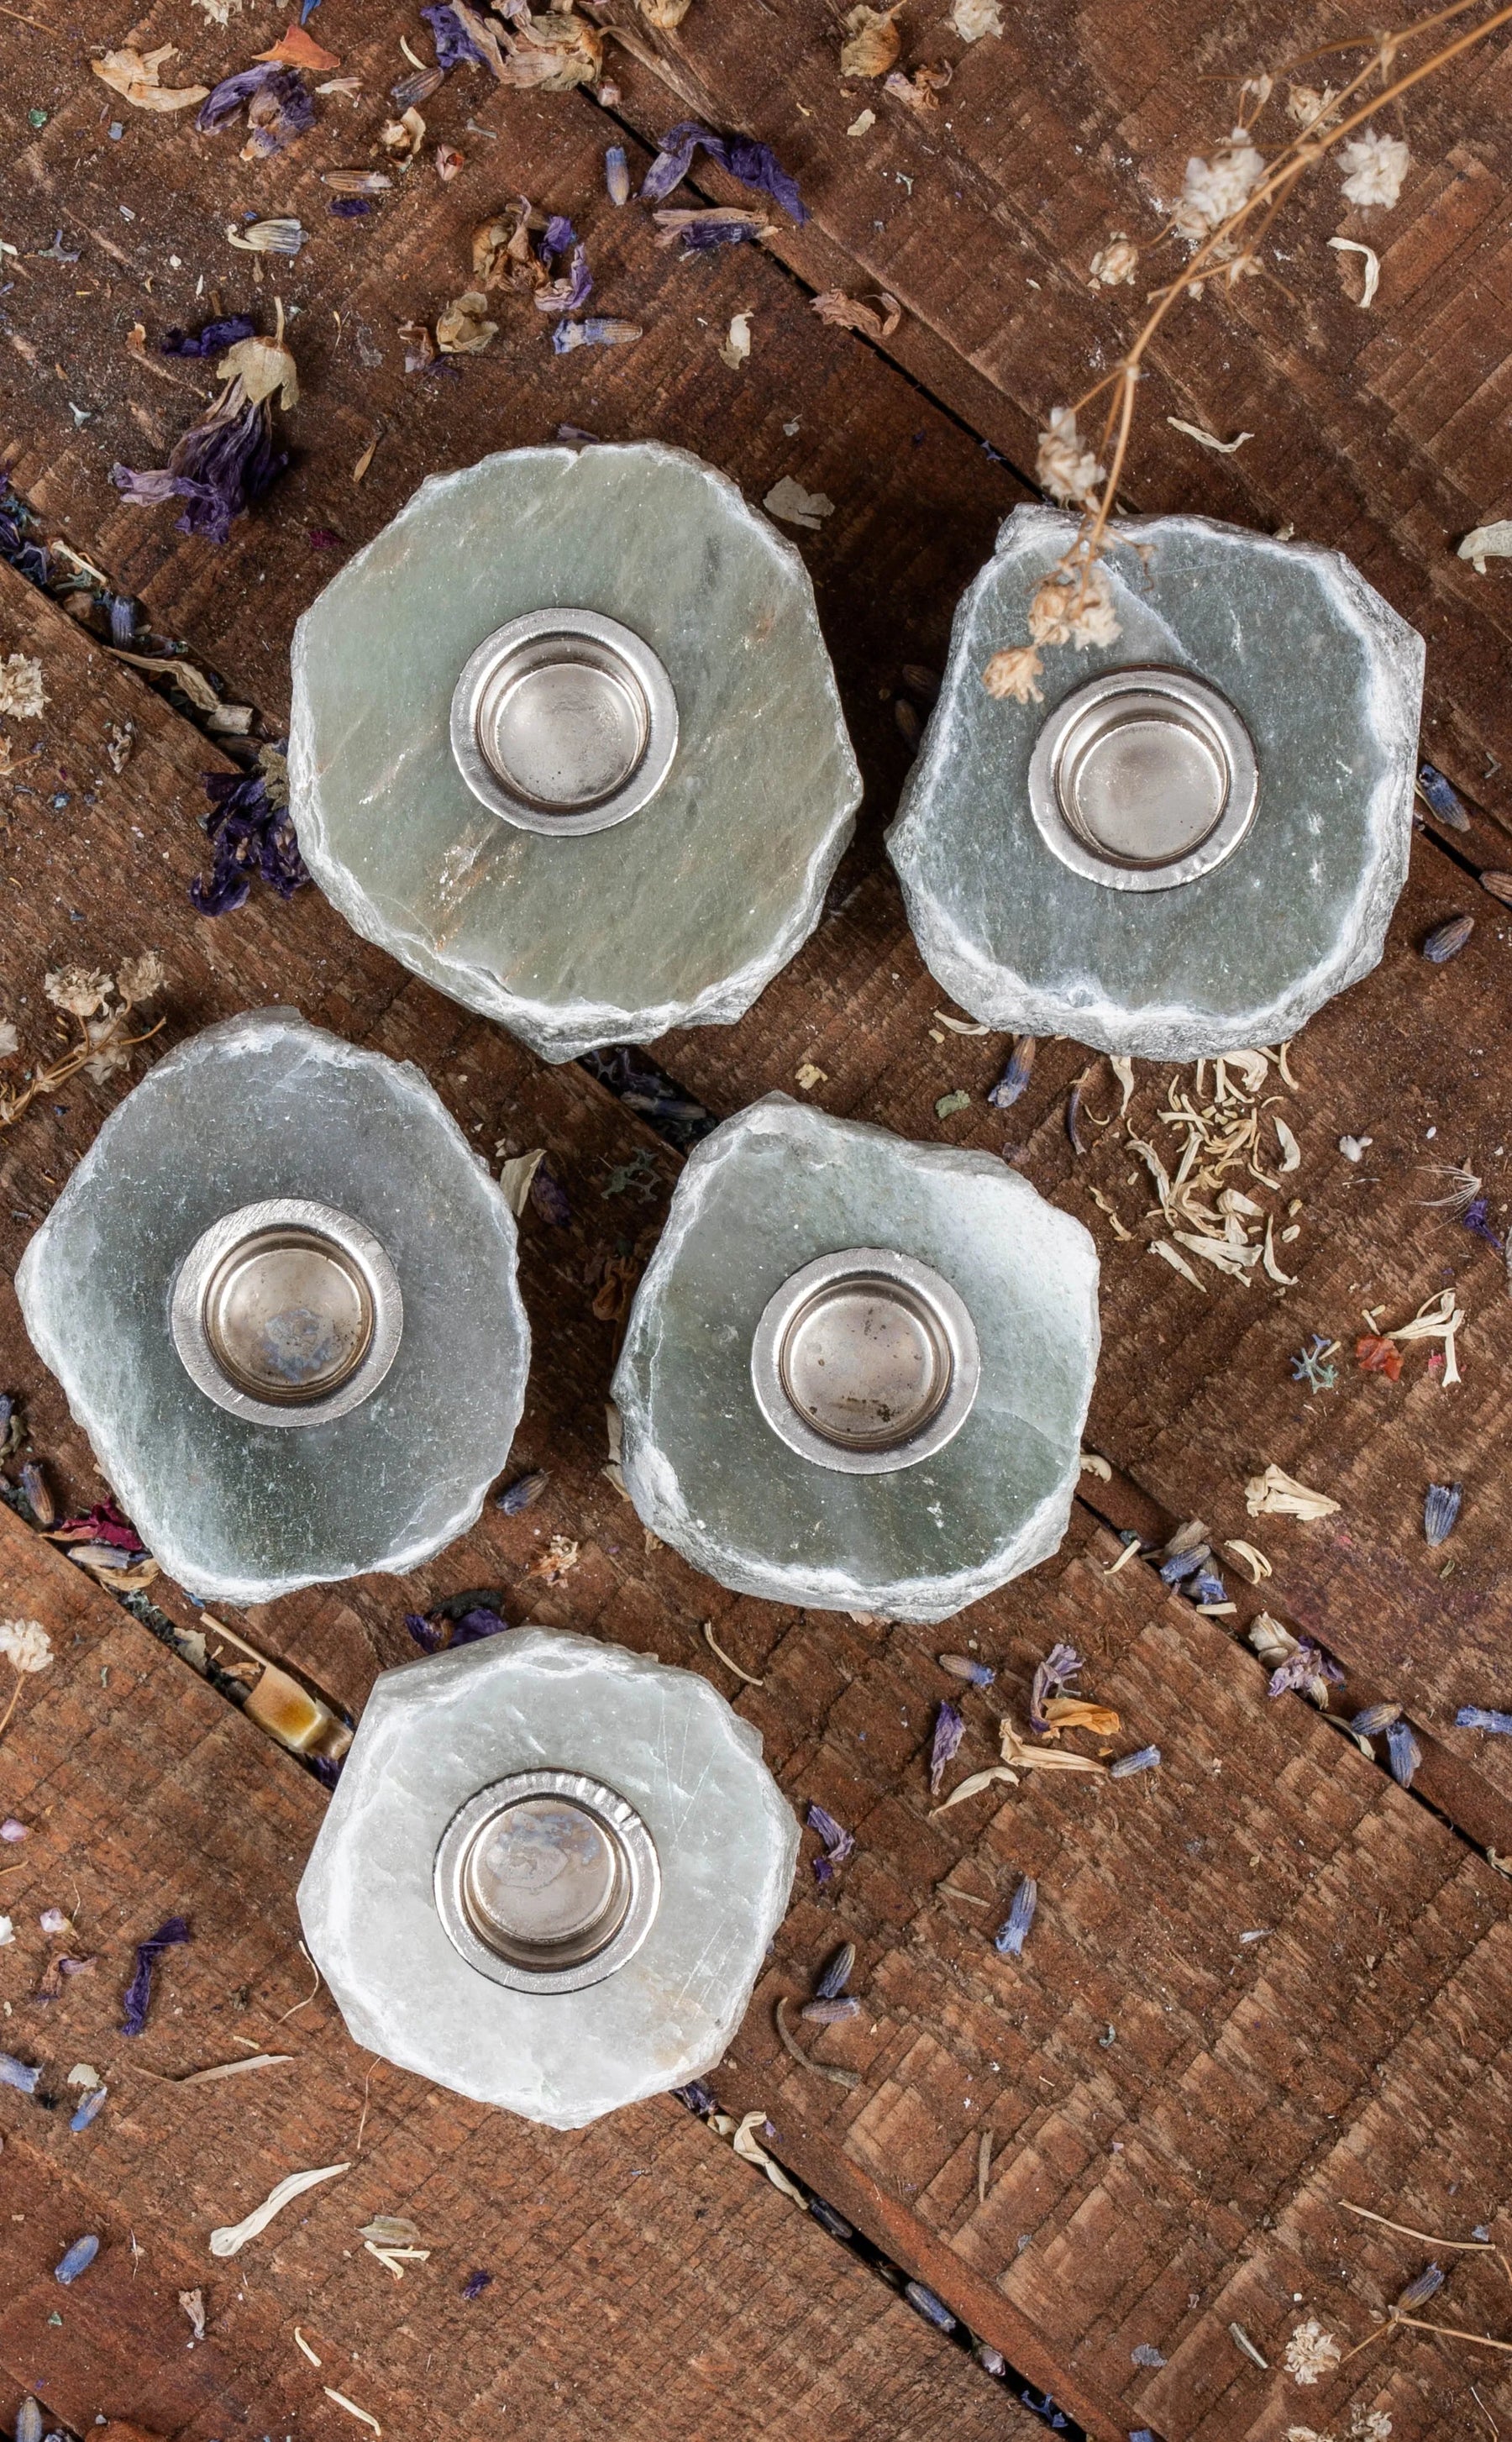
x=1327, y=683
x=265, y=1105
x=681, y=913
x=432, y=1734
x=768, y=1193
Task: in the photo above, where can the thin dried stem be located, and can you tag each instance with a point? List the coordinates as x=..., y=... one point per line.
x=15, y=1699
x=1403, y=2230
x=58, y=1072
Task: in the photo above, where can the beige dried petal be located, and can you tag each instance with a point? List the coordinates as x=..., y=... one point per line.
x=77, y=990
x=1010, y=675
x=874, y=42
x=665, y=15
x=797, y=507
x=9, y=1039
x=1278, y=1494
x=261, y=367
x=142, y=979
x=135, y=75
x=1065, y=466
x=22, y=692
x=554, y=53
x=1309, y=108
x=1115, y=262
x=849, y=313
x=736, y=349
x=1074, y=607
x=745, y=2146
x=972, y=19
x=1493, y=541
x=461, y=329
x=1311, y=2352
x=921, y=91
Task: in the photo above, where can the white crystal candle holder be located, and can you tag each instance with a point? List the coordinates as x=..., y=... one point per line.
x=856, y=1370
x=1199, y=835
x=549, y=1874
x=280, y=1293
x=566, y=740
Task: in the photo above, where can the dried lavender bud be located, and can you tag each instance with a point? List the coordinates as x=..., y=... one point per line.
x=828, y=2219
x=16, y=2073
x=991, y=2361
x=697, y=2097
x=838, y=1842
x=1142, y=1760
x=1418, y=2292
x=910, y=727
x=78, y=2259
x=1440, y=1509
x=922, y=683
x=831, y=2013
x=617, y=175
x=1375, y=1718
x=1447, y=940
x=1441, y=798
x=476, y=2284
x=91, y=2107
x=1009, y=1939
x=1475, y=1717
x=1403, y=1754
x=29, y=2420
x=34, y=1484
x=950, y=1728
x=963, y=1666
x=411, y=91
x=925, y=2302
x=524, y=1492
x=1015, y=1076
x=1500, y=887
x=836, y=1973
x=1184, y=1564
x=1062, y=1663
x=1206, y=1588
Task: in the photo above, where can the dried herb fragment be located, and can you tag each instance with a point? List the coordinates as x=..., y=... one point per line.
x=477, y=2282
x=78, y=2259
x=965, y=1665
x=1403, y=1754
x=753, y=164
x=1009, y=1939
x=1476, y=1716
x=1143, y=1759
x=838, y=1842
x=1440, y=1510
x=1060, y=1667
x=1015, y=1076
x=836, y=1973
x=1447, y=940
x=174, y=1929
x=950, y=1728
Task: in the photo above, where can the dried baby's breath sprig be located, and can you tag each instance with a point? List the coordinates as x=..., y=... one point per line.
x=1225, y=212
x=101, y=1007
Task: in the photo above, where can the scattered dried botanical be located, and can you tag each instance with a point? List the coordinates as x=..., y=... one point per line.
x=1010, y=1938
x=1493, y=541
x=1372, y=265
x=745, y=2143
x=234, y=2237
x=1276, y=1495
x=1209, y=439
x=749, y=1676
x=1311, y=2352
x=1441, y=1508
x=797, y=507
x=833, y=306
x=362, y=2414
x=136, y=77
x=845, y=2077
x=874, y=41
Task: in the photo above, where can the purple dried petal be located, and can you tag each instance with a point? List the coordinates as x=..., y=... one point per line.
x=1142, y=1760
x=1184, y=1564
x=965, y=1665
x=138, y=1993
x=1476, y=1716
x=16, y=2073
x=277, y=105
x=838, y=1842
x=1418, y=2292
x=550, y=1197
x=564, y=296
x=1447, y=940
x=426, y=1635
x=327, y=1769
x=52, y=1919
x=220, y=468
x=1062, y=1663
x=476, y=2284
x=950, y=1728
x=1403, y=1754
x=831, y=2014
x=1476, y=1218
x=524, y=1492
x=211, y=340
x=697, y=2097
x=78, y=2259
x=1440, y=1509
x=558, y=235
x=11, y=1830
x=351, y=207
x=1207, y=1588
x=925, y=2302
x=754, y=165
x=474, y=1626
x=703, y=237
x=1015, y=1076
x=1370, y=1723
x=1009, y=1939
x=836, y=1973
x=251, y=833
x=1302, y=1667
x=91, y=2107
x=455, y=46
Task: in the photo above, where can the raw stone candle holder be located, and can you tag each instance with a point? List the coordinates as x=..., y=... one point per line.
x=549, y=1875
x=1199, y=835
x=280, y=1293
x=566, y=740
x=856, y=1370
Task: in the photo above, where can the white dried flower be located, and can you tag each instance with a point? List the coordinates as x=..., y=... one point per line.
x=9, y=1039
x=1311, y=2352
x=22, y=693
x=142, y=979
x=972, y=19
x=218, y=12
x=1011, y=674
x=26, y=1644
x=1310, y=108
x=1212, y=191
x=75, y=989
x=1369, y=2425
x=1376, y=166
x=108, y=1053
x=1116, y=261
x=1074, y=607
x=1067, y=470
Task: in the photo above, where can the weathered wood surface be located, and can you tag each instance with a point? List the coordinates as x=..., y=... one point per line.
x=1194, y=1393
x=645, y=2281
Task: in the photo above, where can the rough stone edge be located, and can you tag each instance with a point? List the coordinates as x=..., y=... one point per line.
x=1011, y=1002
x=235, y=1034
x=555, y=1034
x=651, y=1480
x=526, y=1644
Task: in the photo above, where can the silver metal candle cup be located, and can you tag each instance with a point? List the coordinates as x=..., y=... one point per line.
x=866, y=1362
x=287, y=1312
x=547, y=1882
x=1143, y=779
x=564, y=722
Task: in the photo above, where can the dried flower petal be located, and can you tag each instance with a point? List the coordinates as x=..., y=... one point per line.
x=462, y=329
x=476, y=2284
x=1447, y=940
x=797, y=507
x=1074, y=607
x=838, y=1842
x=1212, y=191
x=874, y=41
x=137, y=76
x=1142, y=1760
x=1403, y=1754
x=1115, y=262
x=1476, y=1716
x=16, y=2073
x=753, y=164
x=1370, y=1721
x=1374, y=1355
x=965, y=1665
x=455, y=46
x=91, y=2107
x=1010, y=1938
x=1440, y=1510
x=1376, y=166
x=174, y=1929
x=1067, y=469
x=1276, y=1494
x=25, y=1643
x=1060, y=1667
x=950, y=1728
x=835, y=1974
x=23, y=696
x=1311, y=2352
x=78, y=2259
x=849, y=314
x=972, y=19
x=278, y=109
x=1011, y=674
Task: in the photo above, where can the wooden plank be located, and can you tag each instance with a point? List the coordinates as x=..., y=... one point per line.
x=645, y=2281
x=1381, y=434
